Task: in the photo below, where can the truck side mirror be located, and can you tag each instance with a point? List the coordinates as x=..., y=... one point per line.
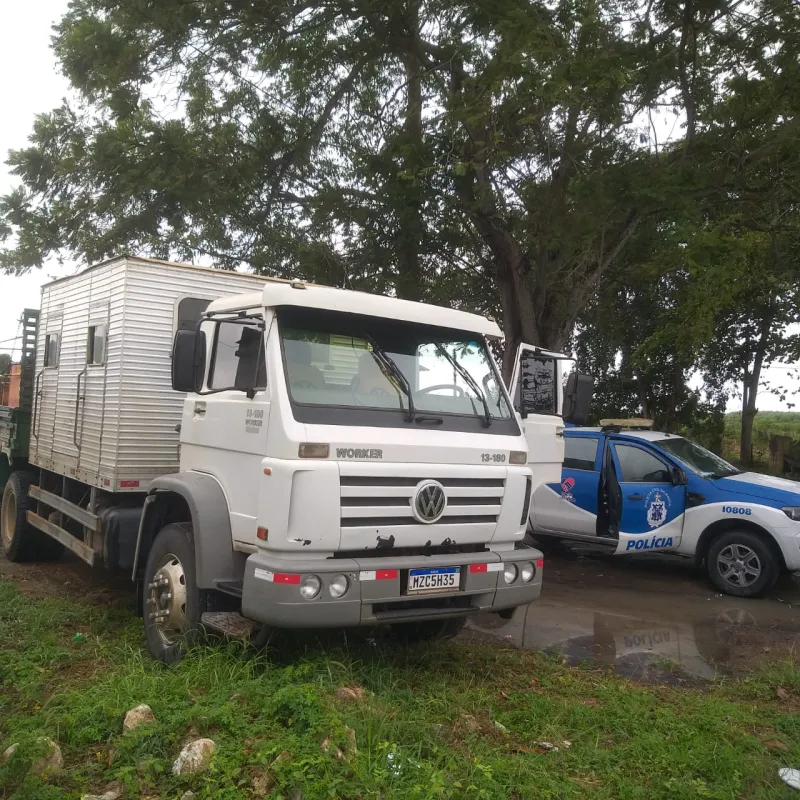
x=578, y=398
x=679, y=477
x=188, y=361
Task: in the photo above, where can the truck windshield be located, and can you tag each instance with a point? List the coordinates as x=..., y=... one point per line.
x=697, y=458
x=389, y=372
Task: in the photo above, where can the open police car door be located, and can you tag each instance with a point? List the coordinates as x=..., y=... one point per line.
x=645, y=498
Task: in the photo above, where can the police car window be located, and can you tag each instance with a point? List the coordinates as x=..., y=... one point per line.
x=579, y=452
x=638, y=466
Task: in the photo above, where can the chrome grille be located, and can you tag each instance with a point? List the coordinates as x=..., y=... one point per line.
x=378, y=501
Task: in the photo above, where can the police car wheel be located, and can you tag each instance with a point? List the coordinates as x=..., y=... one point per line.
x=742, y=564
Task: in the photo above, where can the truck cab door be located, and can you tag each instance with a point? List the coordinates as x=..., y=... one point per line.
x=537, y=374
x=652, y=506
x=571, y=504
x=224, y=430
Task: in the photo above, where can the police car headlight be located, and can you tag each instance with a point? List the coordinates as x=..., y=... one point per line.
x=793, y=512
x=510, y=573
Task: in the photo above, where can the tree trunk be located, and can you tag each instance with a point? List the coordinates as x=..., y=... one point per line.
x=750, y=391
x=409, y=278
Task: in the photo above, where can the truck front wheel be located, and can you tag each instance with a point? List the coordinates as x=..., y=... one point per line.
x=173, y=604
x=742, y=564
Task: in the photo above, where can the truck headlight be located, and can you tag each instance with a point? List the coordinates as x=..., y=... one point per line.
x=338, y=586
x=793, y=512
x=510, y=573
x=310, y=586
x=527, y=571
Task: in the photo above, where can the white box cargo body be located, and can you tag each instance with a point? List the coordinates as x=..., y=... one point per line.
x=105, y=411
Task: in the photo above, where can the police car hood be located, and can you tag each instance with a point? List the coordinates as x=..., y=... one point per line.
x=763, y=487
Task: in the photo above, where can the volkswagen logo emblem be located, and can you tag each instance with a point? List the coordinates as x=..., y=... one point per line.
x=429, y=501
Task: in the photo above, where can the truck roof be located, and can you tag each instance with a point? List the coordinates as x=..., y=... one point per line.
x=307, y=295
x=286, y=292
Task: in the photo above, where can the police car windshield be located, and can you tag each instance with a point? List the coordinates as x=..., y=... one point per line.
x=697, y=458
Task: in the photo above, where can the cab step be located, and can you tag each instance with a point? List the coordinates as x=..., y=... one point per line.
x=230, y=624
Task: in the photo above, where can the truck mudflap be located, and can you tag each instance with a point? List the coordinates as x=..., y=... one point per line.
x=277, y=591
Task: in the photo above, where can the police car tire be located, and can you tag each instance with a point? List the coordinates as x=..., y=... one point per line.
x=770, y=564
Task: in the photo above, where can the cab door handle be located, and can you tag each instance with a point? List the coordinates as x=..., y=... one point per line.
x=635, y=497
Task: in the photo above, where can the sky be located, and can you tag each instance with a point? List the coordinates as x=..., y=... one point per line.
x=34, y=85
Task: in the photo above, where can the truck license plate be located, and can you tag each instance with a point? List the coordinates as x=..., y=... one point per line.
x=433, y=580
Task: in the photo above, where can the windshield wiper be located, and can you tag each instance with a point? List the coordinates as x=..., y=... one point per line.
x=385, y=360
x=471, y=382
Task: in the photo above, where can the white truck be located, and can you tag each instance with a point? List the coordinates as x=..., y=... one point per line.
x=344, y=459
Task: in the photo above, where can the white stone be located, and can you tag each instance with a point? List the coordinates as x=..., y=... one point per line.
x=10, y=751
x=195, y=757
x=113, y=792
x=140, y=715
x=52, y=761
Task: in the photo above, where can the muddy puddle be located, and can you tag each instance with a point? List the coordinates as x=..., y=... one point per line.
x=653, y=619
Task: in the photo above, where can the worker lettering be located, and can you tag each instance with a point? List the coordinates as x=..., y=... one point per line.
x=352, y=452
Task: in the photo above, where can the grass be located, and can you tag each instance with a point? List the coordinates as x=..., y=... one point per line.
x=413, y=740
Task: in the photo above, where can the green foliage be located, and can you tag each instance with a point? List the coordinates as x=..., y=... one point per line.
x=627, y=740
x=499, y=157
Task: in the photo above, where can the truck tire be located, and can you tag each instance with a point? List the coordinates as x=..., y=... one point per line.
x=427, y=630
x=17, y=535
x=172, y=602
x=21, y=541
x=742, y=564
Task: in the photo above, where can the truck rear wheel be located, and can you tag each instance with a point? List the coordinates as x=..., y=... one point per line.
x=173, y=604
x=21, y=541
x=742, y=564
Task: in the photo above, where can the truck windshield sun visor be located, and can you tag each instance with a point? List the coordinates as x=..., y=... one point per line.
x=352, y=369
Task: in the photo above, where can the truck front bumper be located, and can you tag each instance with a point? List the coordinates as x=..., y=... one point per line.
x=377, y=588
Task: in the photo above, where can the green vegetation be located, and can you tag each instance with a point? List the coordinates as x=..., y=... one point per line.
x=412, y=736
x=766, y=424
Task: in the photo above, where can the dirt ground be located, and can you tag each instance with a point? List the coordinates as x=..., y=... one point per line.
x=651, y=617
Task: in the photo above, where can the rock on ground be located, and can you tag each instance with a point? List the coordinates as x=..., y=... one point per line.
x=51, y=761
x=195, y=757
x=140, y=715
x=263, y=780
x=350, y=693
x=113, y=792
x=9, y=751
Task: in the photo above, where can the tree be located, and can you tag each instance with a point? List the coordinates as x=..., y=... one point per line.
x=492, y=156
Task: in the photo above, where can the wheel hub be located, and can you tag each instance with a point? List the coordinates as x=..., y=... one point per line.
x=739, y=565
x=167, y=598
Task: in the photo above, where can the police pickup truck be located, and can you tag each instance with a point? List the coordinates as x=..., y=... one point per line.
x=639, y=490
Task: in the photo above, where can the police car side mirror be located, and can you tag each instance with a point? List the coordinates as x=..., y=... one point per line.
x=679, y=477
